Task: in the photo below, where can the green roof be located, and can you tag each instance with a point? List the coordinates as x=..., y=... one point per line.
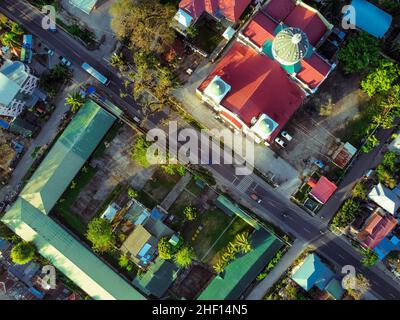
x=231, y=208
x=158, y=278
x=28, y=216
x=84, y=5
x=335, y=289
x=67, y=254
x=242, y=271
x=67, y=156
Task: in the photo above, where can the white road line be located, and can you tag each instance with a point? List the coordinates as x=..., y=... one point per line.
x=307, y=230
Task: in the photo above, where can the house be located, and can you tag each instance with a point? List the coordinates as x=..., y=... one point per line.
x=385, y=198
x=342, y=156
x=17, y=83
x=395, y=144
x=191, y=10
x=377, y=227
x=386, y=246
x=84, y=5
x=314, y=273
x=140, y=246
x=323, y=190
x=265, y=75
x=370, y=18
x=241, y=272
x=110, y=212
x=30, y=218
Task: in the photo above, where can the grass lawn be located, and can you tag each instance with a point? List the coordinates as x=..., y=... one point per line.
x=194, y=188
x=62, y=208
x=161, y=184
x=238, y=226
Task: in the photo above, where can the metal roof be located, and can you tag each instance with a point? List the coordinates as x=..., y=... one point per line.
x=84, y=5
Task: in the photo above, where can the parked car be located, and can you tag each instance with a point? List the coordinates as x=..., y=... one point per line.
x=64, y=61
x=280, y=142
x=255, y=197
x=49, y=51
x=369, y=174
x=286, y=135
x=319, y=164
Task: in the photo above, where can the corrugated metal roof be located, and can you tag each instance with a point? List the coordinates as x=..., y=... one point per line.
x=28, y=216
x=84, y=5
x=67, y=156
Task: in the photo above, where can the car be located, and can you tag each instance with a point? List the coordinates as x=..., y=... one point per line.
x=49, y=51
x=64, y=61
x=255, y=197
x=369, y=174
x=286, y=135
x=319, y=164
x=280, y=142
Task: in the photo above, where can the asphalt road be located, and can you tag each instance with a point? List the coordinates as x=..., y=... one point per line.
x=295, y=220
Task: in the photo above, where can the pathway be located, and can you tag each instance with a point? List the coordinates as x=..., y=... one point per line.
x=176, y=191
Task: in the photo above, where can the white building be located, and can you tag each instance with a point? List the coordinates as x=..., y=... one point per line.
x=16, y=85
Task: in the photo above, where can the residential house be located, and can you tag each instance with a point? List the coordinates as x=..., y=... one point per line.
x=386, y=246
x=342, y=156
x=265, y=75
x=17, y=84
x=110, y=212
x=368, y=17
x=376, y=228
x=322, y=190
x=385, y=198
x=30, y=218
x=191, y=10
x=314, y=273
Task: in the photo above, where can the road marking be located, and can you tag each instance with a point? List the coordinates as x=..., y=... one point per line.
x=307, y=230
x=392, y=295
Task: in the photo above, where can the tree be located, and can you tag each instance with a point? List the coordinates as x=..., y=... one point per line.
x=372, y=142
x=359, y=191
x=139, y=151
x=385, y=176
x=145, y=24
x=356, y=287
x=123, y=261
x=393, y=259
x=184, y=257
x=165, y=249
x=382, y=78
x=219, y=266
x=346, y=213
x=100, y=234
x=132, y=193
x=359, y=53
x=242, y=242
x=389, y=161
x=369, y=258
x=23, y=252
x=75, y=101
x=190, y=212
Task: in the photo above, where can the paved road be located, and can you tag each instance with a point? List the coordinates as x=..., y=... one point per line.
x=295, y=221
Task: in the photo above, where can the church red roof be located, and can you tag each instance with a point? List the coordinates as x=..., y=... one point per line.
x=258, y=85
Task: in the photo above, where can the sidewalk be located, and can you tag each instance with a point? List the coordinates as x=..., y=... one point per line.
x=289, y=257
x=176, y=191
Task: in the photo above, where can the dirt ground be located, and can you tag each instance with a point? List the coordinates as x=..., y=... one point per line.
x=316, y=125
x=191, y=283
x=113, y=167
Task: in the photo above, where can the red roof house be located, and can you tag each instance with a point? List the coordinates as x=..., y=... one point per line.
x=260, y=29
x=376, y=229
x=323, y=190
x=258, y=85
x=279, y=9
x=230, y=9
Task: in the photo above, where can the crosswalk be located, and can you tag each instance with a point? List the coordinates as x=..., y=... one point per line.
x=245, y=184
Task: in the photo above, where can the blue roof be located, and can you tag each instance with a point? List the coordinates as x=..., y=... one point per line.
x=386, y=246
x=371, y=19
x=155, y=214
x=313, y=272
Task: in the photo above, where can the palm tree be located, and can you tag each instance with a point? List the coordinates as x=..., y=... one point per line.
x=242, y=241
x=219, y=267
x=75, y=101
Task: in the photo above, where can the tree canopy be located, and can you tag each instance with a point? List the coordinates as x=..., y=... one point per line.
x=184, y=257
x=145, y=24
x=346, y=213
x=23, y=252
x=100, y=234
x=361, y=51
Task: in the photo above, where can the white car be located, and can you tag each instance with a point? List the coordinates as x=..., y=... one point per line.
x=64, y=61
x=286, y=135
x=280, y=142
